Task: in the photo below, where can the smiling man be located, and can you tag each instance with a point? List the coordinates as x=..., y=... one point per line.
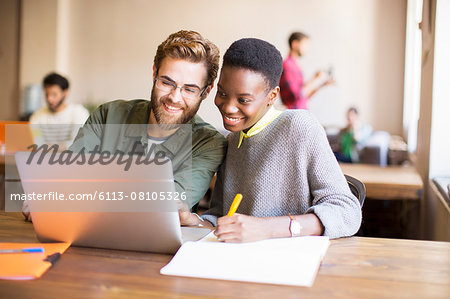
x=184, y=70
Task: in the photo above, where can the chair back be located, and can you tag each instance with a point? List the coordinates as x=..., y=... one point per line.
x=357, y=187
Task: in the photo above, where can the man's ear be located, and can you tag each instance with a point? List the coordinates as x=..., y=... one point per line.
x=273, y=94
x=154, y=72
x=65, y=93
x=207, y=91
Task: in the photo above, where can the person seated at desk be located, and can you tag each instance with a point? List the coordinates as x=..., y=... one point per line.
x=185, y=67
x=59, y=121
x=279, y=161
x=352, y=138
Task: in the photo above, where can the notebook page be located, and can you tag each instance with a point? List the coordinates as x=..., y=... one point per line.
x=286, y=261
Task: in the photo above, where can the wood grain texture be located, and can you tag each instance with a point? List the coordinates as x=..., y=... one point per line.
x=353, y=268
x=391, y=182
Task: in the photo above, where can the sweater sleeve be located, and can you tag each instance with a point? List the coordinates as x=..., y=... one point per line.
x=337, y=208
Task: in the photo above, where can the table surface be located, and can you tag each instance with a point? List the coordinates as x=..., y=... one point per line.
x=353, y=268
x=390, y=182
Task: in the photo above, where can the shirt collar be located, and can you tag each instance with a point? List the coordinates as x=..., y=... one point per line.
x=270, y=116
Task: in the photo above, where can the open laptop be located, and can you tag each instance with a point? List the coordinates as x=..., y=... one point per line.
x=130, y=223
x=16, y=135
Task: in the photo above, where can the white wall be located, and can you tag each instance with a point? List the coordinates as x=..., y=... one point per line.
x=37, y=40
x=110, y=44
x=440, y=125
x=9, y=46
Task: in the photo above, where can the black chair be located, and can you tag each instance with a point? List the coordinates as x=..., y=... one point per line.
x=357, y=187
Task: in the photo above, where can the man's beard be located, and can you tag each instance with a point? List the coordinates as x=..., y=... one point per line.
x=165, y=121
x=54, y=108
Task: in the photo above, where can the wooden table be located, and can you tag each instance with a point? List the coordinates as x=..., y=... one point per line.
x=391, y=182
x=353, y=268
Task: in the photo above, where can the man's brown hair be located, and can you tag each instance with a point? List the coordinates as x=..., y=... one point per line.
x=296, y=36
x=191, y=46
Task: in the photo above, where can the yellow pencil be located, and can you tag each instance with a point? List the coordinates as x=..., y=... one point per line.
x=235, y=204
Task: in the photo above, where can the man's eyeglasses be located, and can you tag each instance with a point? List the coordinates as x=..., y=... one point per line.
x=187, y=92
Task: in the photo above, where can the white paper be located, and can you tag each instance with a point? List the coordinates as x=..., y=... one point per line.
x=286, y=261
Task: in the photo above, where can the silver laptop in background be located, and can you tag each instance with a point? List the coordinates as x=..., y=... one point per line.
x=149, y=224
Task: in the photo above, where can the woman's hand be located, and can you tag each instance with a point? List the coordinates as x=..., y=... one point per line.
x=241, y=228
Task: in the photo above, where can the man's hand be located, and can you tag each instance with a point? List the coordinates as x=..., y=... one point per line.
x=26, y=211
x=329, y=81
x=241, y=228
x=186, y=217
x=319, y=74
x=182, y=206
x=190, y=219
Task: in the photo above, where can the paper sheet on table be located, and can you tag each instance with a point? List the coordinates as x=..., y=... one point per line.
x=286, y=261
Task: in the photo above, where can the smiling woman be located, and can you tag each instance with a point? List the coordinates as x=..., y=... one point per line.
x=242, y=98
x=247, y=85
x=280, y=162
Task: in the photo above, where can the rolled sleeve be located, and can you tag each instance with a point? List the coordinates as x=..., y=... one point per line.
x=207, y=156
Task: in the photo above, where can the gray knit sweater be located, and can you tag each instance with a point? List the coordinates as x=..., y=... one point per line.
x=287, y=168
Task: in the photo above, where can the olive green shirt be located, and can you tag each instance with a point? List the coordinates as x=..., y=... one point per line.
x=197, y=143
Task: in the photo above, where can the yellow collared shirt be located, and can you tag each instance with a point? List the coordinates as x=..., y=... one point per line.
x=270, y=116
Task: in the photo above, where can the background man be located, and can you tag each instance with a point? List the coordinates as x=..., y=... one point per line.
x=58, y=122
x=294, y=91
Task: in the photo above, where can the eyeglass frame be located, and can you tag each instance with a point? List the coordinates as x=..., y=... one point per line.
x=175, y=86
